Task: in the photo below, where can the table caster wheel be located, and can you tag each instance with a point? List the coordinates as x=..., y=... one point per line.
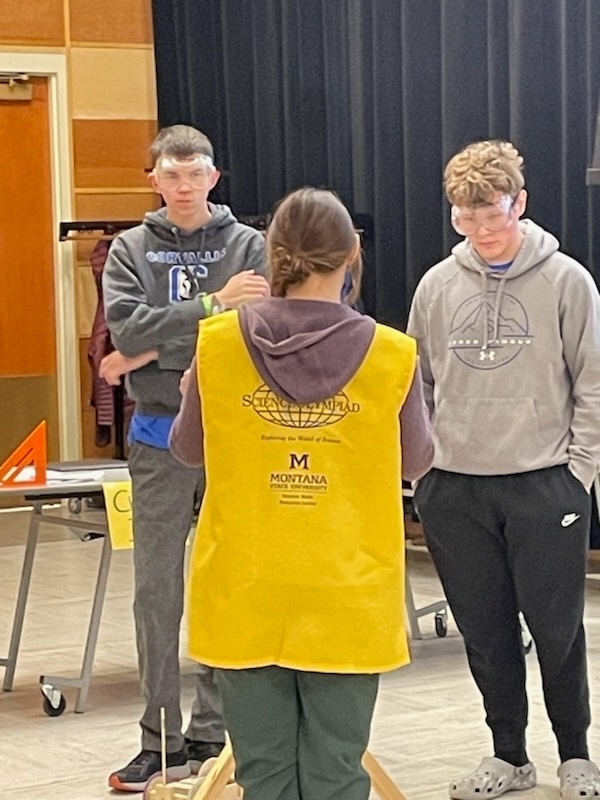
x=441, y=623
x=53, y=701
x=75, y=505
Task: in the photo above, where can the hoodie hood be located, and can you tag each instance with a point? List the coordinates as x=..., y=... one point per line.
x=305, y=350
x=168, y=232
x=537, y=246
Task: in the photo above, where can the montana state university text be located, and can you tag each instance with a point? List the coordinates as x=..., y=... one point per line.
x=284, y=479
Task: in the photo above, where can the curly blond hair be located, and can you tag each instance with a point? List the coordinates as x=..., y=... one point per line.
x=473, y=176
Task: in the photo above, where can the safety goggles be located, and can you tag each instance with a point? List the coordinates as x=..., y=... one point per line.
x=172, y=173
x=493, y=218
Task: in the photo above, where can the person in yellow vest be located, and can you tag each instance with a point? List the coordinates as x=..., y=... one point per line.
x=306, y=415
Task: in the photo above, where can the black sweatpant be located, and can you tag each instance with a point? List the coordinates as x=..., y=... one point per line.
x=504, y=544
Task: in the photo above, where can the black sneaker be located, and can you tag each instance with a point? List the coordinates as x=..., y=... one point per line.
x=199, y=752
x=135, y=776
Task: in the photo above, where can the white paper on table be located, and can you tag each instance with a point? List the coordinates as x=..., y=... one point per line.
x=56, y=477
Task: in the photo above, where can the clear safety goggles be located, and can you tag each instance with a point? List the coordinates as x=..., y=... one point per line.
x=196, y=172
x=494, y=217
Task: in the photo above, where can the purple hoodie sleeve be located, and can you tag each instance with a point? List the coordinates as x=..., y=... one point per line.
x=186, y=439
x=416, y=432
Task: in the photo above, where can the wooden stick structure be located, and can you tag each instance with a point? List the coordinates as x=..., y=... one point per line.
x=219, y=782
x=384, y=786
x=163, y=746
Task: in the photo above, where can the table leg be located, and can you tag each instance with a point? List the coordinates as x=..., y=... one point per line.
x=11, y=662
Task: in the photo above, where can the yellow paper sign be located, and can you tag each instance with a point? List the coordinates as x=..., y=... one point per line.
x=117, y=497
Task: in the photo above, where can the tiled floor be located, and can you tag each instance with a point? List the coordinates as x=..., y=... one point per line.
x=428, y=727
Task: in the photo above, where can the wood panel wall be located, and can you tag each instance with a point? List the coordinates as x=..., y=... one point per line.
x=109, y=48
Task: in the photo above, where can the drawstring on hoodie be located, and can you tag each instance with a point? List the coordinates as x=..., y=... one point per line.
x=486, y=313
x=497, y=304
x=175, y=232
x=483, y=281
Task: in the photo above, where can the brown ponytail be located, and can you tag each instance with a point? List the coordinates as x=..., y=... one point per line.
x=311, y=231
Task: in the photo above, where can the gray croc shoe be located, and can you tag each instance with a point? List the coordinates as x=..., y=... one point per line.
x=579, y=778
x=492, y=778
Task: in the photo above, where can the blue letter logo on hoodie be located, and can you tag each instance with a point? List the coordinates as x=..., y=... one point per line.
x=185, y=282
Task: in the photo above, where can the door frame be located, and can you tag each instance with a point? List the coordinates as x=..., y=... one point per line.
x=53, y=66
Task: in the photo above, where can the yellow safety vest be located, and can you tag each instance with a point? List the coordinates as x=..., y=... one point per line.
x=298, y=559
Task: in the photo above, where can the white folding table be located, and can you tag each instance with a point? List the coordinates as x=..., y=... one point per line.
x=38, y=497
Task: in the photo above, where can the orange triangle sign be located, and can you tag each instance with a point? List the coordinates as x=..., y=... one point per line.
x=30, y=453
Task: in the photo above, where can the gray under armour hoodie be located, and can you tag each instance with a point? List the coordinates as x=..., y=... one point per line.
x=511, y=361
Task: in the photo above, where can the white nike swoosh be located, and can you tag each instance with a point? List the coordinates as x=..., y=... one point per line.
x=569, y=519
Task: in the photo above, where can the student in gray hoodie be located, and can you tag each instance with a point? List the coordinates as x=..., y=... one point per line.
x=509, y=338
x=188, y=261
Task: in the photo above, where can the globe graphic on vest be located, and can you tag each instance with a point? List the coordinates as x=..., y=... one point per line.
x=274, y=409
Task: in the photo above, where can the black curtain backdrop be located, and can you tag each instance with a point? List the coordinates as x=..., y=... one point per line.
x=372, y=97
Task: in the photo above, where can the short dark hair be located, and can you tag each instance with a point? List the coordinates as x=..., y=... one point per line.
x=181, y=141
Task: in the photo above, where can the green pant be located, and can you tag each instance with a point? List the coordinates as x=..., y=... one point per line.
x=298, y=735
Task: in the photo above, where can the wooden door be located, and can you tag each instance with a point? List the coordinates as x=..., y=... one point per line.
x=28, y=380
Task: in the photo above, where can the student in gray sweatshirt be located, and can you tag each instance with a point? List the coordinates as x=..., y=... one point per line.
x=190, y=260
x=508, y=330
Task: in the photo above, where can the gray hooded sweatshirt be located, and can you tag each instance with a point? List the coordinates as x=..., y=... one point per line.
x=153, y=279
x=511, y=361
x=306, y=351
